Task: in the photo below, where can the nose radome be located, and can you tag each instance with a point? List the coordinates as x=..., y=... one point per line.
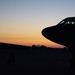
x=50, y=33
x=46, y=32
x=54, y=34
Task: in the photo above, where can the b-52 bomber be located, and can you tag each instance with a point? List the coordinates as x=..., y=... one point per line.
x=63, y=33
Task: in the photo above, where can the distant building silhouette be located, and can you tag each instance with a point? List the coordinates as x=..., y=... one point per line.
x=64, y=34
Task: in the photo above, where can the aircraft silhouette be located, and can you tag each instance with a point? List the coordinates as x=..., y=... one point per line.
x=63, y=33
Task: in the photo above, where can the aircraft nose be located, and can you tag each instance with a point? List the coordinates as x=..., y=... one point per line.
x=54, y=34
x=49, y=32
x=44, y=32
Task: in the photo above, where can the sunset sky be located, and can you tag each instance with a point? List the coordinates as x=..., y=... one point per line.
x=21, y=21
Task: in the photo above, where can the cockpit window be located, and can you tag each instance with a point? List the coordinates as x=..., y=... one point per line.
x=67, y=22
x=73, y=22
x=62, y=22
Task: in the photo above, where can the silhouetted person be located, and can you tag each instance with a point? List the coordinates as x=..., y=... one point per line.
x=11, y=59
x=64, y=34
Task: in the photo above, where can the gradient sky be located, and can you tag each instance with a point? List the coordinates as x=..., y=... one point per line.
x=21, y=21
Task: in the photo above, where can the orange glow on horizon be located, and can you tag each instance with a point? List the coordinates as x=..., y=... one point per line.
x=31, y=41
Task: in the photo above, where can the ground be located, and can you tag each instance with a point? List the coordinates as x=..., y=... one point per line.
x=35, y=60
